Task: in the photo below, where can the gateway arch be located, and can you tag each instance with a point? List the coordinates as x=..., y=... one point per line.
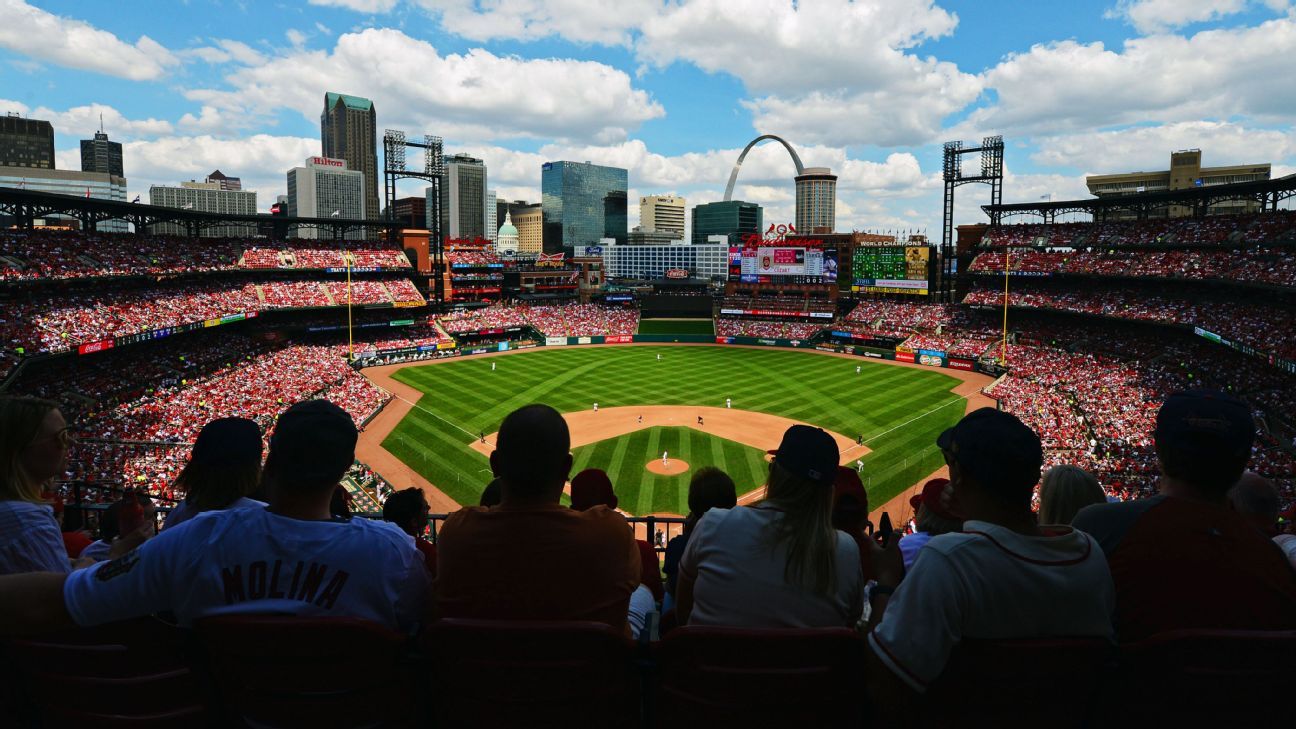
x=733, y=176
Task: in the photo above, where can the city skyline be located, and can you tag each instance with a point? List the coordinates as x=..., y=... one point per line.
x=671, y=92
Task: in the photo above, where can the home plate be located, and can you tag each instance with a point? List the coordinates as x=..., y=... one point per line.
x=672, y=467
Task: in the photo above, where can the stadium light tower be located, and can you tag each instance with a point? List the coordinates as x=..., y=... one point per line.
x=991, y=173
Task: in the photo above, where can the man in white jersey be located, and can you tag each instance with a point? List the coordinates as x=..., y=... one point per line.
x=664, y=461
x=291, y=557
x=1002, y=577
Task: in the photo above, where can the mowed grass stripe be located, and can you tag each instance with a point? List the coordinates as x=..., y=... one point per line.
x=820, y=390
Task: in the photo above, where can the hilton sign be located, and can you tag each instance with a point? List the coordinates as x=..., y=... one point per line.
x=326, y=162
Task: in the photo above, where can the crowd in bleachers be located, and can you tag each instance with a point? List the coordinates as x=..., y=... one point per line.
x=28, y=256
x=553, y=320
x=727, y=326
x=955, y=344
x=471, y=257
x=779, y=304
x=1252, y=228
x=1274, y=266
x=1265, y=326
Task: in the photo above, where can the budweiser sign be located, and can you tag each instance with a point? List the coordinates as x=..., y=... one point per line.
x=549, y=259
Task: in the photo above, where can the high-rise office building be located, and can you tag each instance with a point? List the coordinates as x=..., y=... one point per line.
x=205, y=197
x=325, y=188
x=101, y=155
x=662, y=213
x=730, y=218
x=410, y=212
x=529, y=220
x=491, y=224
x=463, y=198
x=349, y=131
x=816, y=200
x=582, y=204
x=225, y=181
x=26, y=142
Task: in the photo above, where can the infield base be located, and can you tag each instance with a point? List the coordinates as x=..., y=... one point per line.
x=672, y=467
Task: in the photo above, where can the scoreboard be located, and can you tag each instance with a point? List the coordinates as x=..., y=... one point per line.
x=896, y=269
x=783, y=264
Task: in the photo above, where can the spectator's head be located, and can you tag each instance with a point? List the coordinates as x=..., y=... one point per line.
x=407, y=509
x=591, y=488
x=1203, y=442
x=33, y=447
x=1065, y=490
x=709, y=488
x=1256, y=498
x=532, y=456
x=994, y=461
x=932, y=516
x=312, y=446
x=491, y=494
x=801, y=486
x=850, y=502
x=225, y=464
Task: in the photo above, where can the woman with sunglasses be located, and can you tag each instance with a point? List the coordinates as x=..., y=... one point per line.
x=34, y=443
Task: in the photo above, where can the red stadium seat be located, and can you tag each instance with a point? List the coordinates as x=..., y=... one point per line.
x=318, y=672
x=1006, y=682
x=569, y=674
x=714, y=677
x=1187, y=677
x=129, y=674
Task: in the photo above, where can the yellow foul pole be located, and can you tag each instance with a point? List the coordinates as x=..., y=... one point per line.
x=350, y=338
x=1003, y=347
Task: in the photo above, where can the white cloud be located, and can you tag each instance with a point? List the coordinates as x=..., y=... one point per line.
x=1158, y=16
x=603, y=23
x=360, y=6
x=77, y=44
x=261, y=160
x=82, y=121
x=1146, y=148
x=476, y=95
x=295, y=37
x=1166, y=78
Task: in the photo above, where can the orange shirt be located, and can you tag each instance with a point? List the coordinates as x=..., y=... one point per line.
x=537, y=563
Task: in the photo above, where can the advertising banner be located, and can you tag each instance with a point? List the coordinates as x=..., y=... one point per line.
x=95, y=346
x=903, y=356
x=503, y=346
x=555, y=341
x=724, y=340
x=955, y=363
x=876, y=355
x=932, y=353
x=619, y=339
x=583, y=340
x=931, y=361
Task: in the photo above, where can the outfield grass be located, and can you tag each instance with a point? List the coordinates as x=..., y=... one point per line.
x=676, y=326
x=885, y=404
x=641, y=492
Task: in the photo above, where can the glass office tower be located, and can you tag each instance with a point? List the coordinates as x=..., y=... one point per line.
x=582, y=203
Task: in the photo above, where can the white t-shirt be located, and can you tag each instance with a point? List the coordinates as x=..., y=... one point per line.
x=183, y=512
x=30, y=540
x=253, y=561
x=989, y=582
x=739, y=579
x=1287, y=543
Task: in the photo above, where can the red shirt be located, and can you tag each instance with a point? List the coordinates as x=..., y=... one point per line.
x=650, y=568
x=74, y=542
x=429, y=552
x=1182, y=564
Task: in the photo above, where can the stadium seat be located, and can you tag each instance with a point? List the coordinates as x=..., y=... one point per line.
x=712, y=677
x=570, y=674
x=128, y=674
x=1003, y=682
x=318, y=672
x=1186, y=677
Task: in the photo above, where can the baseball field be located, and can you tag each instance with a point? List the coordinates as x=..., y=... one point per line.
x=649, y=399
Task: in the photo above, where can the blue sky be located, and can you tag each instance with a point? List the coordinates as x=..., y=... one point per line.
x=672, y=90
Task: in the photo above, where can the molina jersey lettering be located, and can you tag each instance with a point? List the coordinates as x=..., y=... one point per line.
x=253, y=561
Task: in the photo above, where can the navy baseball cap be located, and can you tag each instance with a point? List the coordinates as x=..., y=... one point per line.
x=314, y=439
x=988, y=442
x=808, y=452
x=1188, y=420
x=228, y=441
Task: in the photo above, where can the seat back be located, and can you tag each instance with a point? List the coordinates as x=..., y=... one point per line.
x=297, y=671
x=134, y=673
x=1009, y=682
x=1188, y=676
x=712, y=677
x=492, y=673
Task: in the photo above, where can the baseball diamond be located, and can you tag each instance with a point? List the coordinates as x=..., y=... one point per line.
x=898, y=411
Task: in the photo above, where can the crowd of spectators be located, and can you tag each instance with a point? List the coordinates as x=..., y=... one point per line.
x=779, y=304
x=955, y=343
x=726, y=326
x=471, y=257
x=43, y=255
x=553, y=320
x=1252, y=228
x=1273, y=266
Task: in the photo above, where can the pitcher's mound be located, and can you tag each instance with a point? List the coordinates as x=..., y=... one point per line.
x=673, y=467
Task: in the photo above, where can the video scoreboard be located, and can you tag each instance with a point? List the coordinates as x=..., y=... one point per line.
x=782, y=264
x=895, y=269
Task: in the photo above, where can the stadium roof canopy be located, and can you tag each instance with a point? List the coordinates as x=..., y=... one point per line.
x=25, y=206
x=1267, y=193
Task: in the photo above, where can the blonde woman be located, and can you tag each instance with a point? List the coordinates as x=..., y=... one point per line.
x=34, y=443
x=779, y=564
x=1066, y=490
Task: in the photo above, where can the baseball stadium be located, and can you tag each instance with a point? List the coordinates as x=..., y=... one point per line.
x=313, y=468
